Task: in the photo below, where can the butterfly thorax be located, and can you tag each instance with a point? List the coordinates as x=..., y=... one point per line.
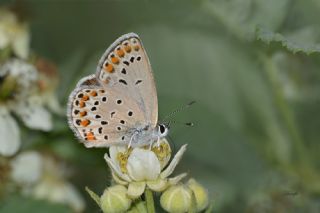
x=147, y=134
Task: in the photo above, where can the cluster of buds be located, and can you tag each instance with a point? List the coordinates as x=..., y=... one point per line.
x=138, y=170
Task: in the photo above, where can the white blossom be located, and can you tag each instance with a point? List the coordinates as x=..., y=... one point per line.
x=141, y=167
x=24, y=99
x=14, y=34
x=26, y=168
x=10, y=134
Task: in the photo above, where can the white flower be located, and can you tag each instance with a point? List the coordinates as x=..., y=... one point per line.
x=10, y=135
x=26, y=167
x=141, y=167
x=20, y=94
x=14, y=34
x=33, y=114
x=59, y=192
x=42, y=177
x=25, y=74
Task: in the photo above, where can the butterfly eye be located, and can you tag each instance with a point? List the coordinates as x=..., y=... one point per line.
x=163, y=130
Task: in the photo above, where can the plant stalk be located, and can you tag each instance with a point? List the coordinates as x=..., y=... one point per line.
x=149, y=201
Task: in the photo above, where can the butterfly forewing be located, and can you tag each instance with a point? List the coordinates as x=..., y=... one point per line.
x=125, y=67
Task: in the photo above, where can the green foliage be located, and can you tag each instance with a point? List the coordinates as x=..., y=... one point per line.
x=302, y=41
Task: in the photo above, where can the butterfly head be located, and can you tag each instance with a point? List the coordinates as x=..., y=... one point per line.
x=163, y=130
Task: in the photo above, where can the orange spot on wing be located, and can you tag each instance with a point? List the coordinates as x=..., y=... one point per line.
x=109, y=67
x=82, y=104
x=90, y=136
x=85, y=98
x=83, y=113
x=114, y=60
x=136, y=47
x=120, y=53
x=93, y=93
x=127, y=48
x=85, y=122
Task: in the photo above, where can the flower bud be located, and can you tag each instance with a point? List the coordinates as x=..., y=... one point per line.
x=176, y=199
x=114, y=200
x=200, y=193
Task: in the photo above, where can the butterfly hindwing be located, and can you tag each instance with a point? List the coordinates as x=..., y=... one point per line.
x=101, y=117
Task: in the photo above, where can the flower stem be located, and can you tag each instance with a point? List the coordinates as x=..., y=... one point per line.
x=288, y=117
x=149, y=201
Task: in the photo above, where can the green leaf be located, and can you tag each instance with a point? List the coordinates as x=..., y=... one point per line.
x=241, y=17
x=303, y=40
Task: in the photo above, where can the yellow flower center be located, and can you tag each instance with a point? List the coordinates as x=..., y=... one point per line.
x=122, y=158
x=162, y=151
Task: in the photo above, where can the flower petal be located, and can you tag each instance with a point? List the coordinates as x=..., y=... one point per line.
x=25, y=73
x=176, y=179
x=118, y=180
x=158, y=185
x=10, y=134
x=168, y=171
x=33, y=114
x=136, y=189
x=20, y=45
x=115, y=168
x=27, y=167
x=143, y=165
x=59, y=192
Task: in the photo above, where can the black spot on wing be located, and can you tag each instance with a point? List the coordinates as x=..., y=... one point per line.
x=123, y=81
x=138, y=82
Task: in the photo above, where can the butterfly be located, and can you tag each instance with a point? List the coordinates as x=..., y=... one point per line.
x=118, y=104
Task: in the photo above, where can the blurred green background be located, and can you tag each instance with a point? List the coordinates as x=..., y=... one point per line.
x=252, y=66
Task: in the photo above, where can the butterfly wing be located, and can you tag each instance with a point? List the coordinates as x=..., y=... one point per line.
x=105, y=108
x=101, y=117
x=125, y=67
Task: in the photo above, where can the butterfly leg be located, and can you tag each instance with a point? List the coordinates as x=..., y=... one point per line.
x=131, y=139
x=150, y=146
x=158, y=142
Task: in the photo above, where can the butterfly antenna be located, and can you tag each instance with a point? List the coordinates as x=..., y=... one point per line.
x=170, y=122
x=167, y=118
